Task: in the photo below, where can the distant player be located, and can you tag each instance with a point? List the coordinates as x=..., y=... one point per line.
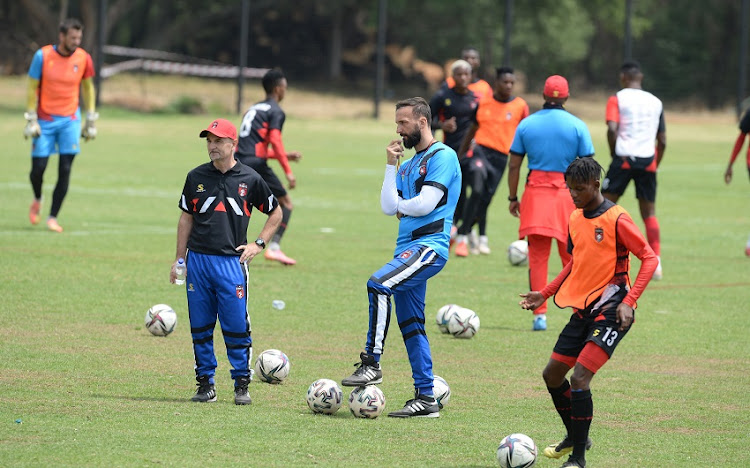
x=53, y=119
x=477, y=85
x=635, y=119
x=744, y=130
x=596, y=285
x=493, y=126
x=260, y=140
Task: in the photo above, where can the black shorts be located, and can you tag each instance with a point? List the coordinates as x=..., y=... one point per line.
x=599, y=326
x=623, y=170
x=266, y=173
x=490, y=163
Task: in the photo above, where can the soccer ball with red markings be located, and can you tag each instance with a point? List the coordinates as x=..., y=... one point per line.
x=324, y=396
x=464, y=323
x=161, y=320
x=366, y=402
x=517, y=451
x=272, y=366
x=518, y=253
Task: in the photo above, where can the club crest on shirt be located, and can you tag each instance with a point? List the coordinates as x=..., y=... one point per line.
x=405, y=254
x=200, y=188
x=75, y=68
x=508, y=115
x=242, y=190
x=422, y=170
x=599, y=234
x=240, y=291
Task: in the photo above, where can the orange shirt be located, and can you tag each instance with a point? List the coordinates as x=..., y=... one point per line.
x=498, y=121
x=60, y=82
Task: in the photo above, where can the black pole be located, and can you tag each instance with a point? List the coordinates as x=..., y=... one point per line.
x=380, y=57
x=743, y=55
x=244, y=34
x=508, y=27
x=628, y=52
x=100, y=38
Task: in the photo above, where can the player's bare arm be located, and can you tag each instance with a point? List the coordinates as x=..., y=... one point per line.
x=292, y=180
x=612, y=127
x=250, y=250
x=184, y=228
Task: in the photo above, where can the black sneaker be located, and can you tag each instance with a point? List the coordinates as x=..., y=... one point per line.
x=368, y=373
x=241, y=395
x=574, y=463
x=422, y=406
x=206, y=392
x=563, y=447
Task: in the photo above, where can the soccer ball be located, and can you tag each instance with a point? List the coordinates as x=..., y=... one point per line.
x=324, y=396
x=272, y=366
x=443, y=314
x=441, y=390
x=518, y=253
x=366, y=402
x=516, y=451
x=464, y=323
x=161, y=320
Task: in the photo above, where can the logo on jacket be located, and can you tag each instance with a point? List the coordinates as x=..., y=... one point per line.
x=240, y=291
x=599, y=234
x=422, y=170
x=405, y=254
x=242, y=190
x=200, y=188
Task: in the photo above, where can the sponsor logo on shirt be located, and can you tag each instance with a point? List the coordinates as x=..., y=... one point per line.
x=599, y=234
x=200, y=188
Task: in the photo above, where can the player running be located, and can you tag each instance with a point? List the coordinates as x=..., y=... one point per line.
x=260, y=140
x=744, y=130
x=53, y=118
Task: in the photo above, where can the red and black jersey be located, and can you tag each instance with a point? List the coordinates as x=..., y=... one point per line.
x=221, y=205
x=260, y=133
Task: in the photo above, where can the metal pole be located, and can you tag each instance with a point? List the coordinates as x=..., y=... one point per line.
x=508, y=27
x=380, y=57
x=743, y=55
x=628, y=32
x=100, y=38
x=244, y=34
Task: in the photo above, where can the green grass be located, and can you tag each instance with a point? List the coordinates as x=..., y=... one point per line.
x=91, y=387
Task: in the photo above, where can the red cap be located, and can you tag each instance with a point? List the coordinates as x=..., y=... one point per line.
x=556, y=87
x=222, y=128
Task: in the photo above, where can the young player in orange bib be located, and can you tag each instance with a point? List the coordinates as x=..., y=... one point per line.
x=596, y=285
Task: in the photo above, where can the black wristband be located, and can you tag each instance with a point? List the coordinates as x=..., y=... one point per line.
x=260, y=243
x=512, y=199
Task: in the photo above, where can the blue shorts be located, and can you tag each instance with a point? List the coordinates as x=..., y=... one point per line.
x=61, y=135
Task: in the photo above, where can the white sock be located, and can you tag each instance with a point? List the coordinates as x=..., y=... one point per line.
x=274, y=246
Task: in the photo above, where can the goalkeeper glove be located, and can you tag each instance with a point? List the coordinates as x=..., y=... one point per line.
x=89, y=130
x=32, y=128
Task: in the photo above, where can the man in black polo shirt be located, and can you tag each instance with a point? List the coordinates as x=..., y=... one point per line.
x=216, y=203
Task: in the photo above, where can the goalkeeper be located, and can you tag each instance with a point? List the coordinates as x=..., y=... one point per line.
x=53, y=118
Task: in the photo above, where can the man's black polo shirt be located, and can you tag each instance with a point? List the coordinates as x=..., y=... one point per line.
x=221, y=205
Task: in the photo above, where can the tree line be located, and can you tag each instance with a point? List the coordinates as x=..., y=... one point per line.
x=689, y=50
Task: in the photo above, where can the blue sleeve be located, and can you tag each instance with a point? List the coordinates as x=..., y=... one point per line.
x=517, y=146
x=35, y=70
x=585, y=146
x=442, y=169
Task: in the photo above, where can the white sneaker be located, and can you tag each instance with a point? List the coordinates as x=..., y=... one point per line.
x=657, y=273
x=484, y=245
x=474, y=243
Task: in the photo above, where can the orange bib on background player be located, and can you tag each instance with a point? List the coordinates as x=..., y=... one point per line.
x=61, y=78
x=595, y=240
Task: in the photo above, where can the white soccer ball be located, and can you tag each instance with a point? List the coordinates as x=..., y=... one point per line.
x=366, y=402
x=444, y=314
x=272, y=366
x=324, y=396
x=161, y=320
x=441, y=390
x=464, y=323
x=516, y=451
x=518, y=253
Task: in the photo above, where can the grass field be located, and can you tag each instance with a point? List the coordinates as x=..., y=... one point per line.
x=82, y=383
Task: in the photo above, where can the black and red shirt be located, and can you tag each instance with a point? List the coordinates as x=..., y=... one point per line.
x=221, y=205
x=260, y=133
